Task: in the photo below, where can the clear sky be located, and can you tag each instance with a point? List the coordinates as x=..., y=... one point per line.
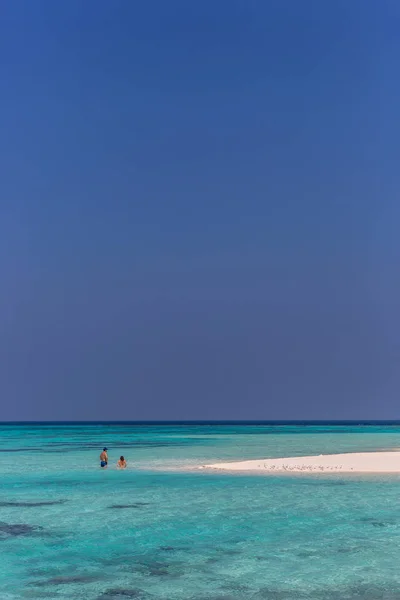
x=199, y=209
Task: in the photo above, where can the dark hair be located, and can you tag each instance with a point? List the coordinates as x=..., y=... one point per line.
x=121, y=458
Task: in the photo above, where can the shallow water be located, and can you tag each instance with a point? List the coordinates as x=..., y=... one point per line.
x=71, y=530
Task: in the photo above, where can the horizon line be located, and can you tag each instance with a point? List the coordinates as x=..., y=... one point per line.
x=200, y=421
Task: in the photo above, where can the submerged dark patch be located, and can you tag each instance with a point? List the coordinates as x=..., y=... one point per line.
x=157, y=568
x=117, y=593
x=152, y=567
x=14, y=530
x=66, y=580
x=33, y=504
x=235, y=587
x=377, y=522
x=27, y=449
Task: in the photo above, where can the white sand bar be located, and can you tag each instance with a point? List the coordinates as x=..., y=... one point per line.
x=362, y=462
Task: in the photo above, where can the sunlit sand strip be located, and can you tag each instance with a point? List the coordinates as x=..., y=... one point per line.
x=362, y=462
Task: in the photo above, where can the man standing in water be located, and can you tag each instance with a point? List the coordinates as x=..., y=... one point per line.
x=104, y=458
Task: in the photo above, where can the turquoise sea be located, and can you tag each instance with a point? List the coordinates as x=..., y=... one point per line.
x=162, y=531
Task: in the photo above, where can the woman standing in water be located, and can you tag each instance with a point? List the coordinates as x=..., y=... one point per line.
x=122, y=464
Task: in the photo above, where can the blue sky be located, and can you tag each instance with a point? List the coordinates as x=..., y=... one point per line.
x=199, y=209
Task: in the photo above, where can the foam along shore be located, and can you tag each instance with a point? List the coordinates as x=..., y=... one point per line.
x=360, y=462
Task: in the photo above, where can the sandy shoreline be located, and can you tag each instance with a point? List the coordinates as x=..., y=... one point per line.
x=357, y=462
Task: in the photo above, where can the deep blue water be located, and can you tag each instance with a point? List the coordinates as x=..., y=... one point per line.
x=161, y=530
